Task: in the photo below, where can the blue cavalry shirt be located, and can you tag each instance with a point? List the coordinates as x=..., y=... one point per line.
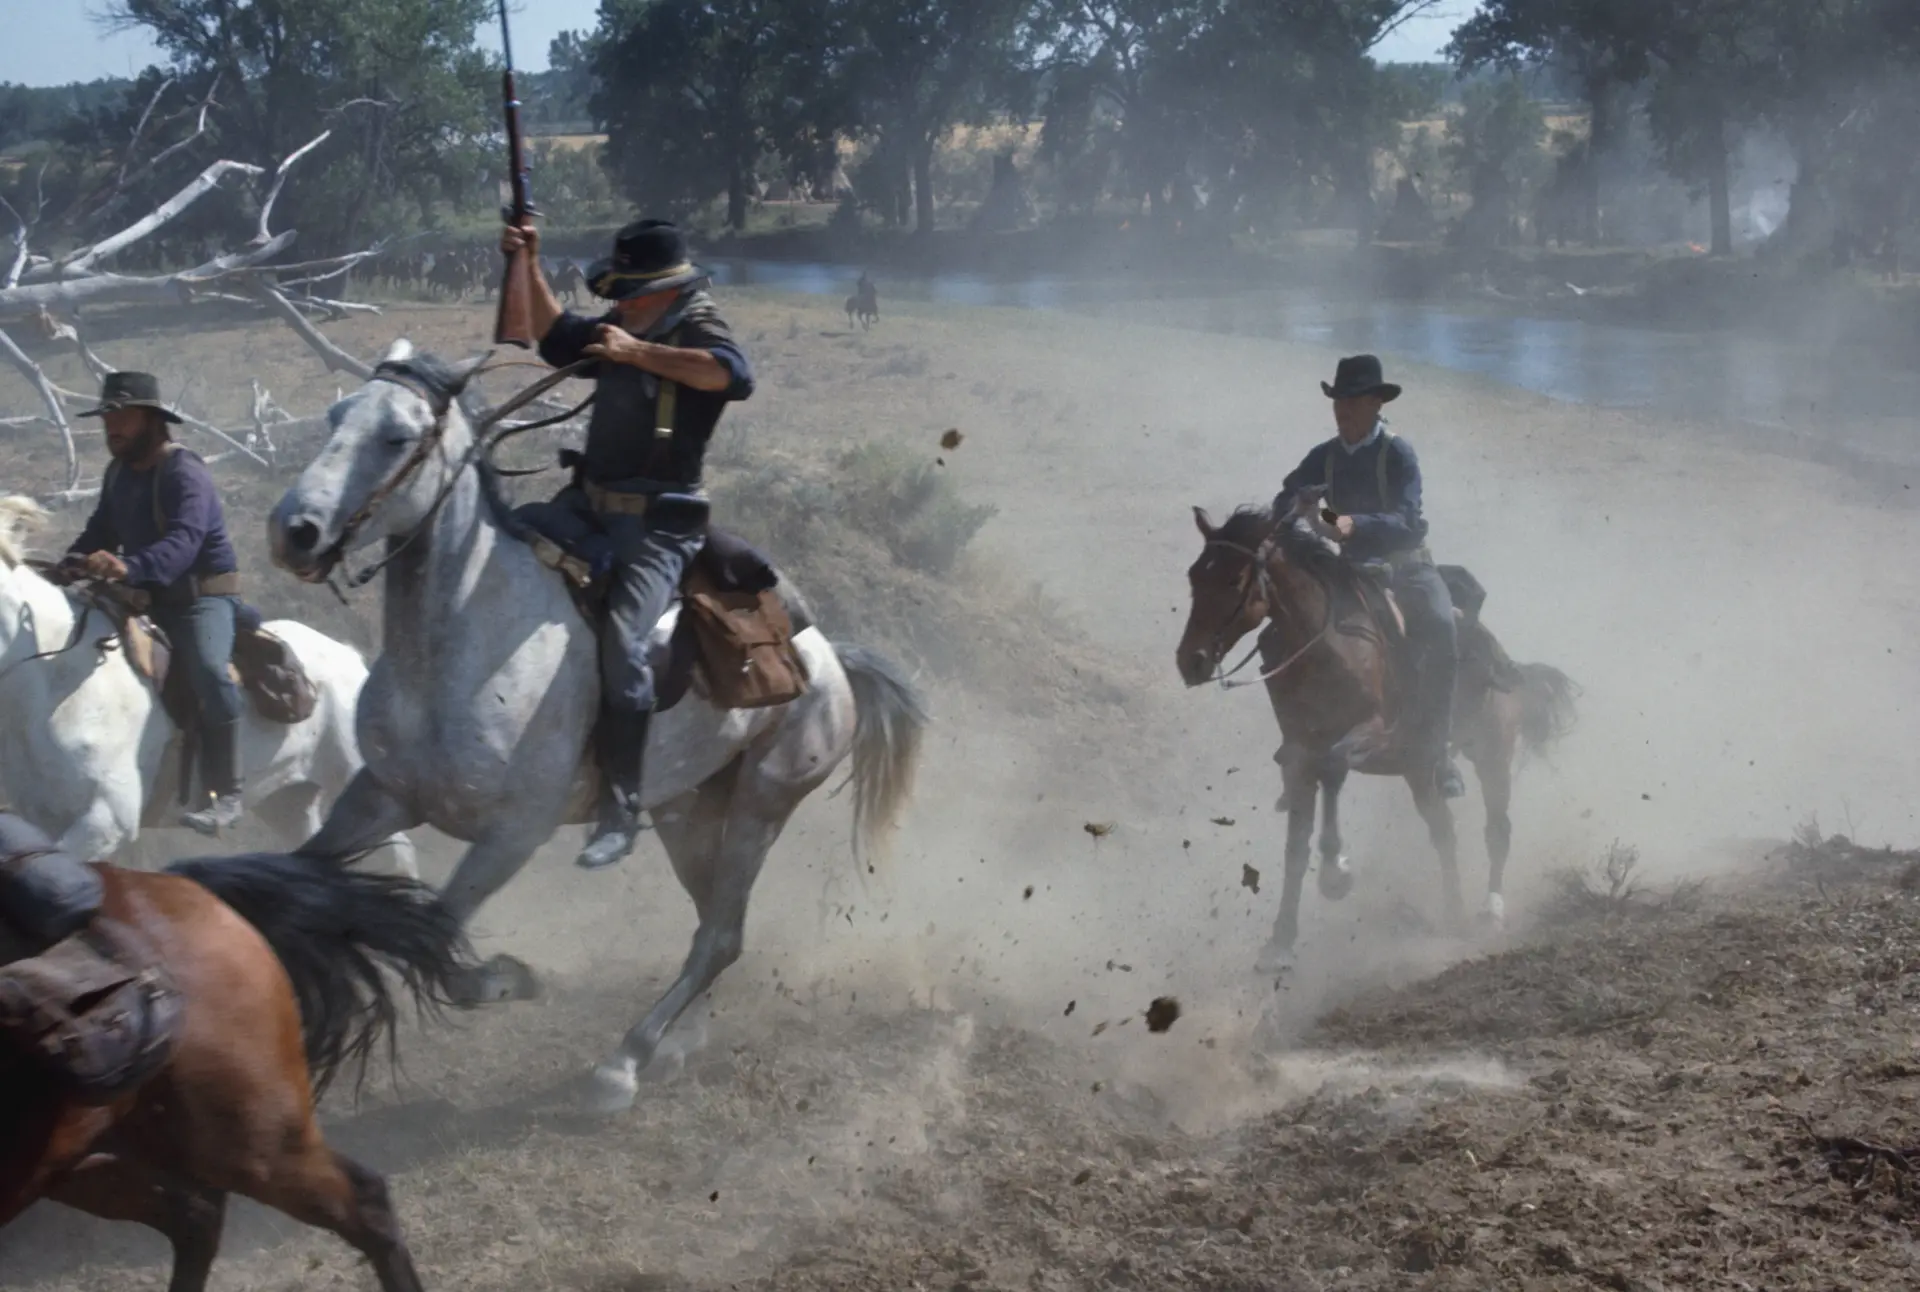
x=165, y=523
x=1385, y=521
x=622, y=451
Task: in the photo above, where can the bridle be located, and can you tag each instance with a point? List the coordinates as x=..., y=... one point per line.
x=1262, y=582
x=440, y=396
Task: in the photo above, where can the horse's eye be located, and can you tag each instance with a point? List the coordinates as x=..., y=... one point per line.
x=398, y=441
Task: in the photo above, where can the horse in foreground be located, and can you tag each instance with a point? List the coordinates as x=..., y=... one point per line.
x=477, y=717
x=1332, y=666
x=280, y=965
x=87, y=750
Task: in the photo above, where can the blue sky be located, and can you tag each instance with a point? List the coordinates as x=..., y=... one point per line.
x=52, y=42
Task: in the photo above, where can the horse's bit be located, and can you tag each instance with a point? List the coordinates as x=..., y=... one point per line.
x=440, y=400
x=1256, y=557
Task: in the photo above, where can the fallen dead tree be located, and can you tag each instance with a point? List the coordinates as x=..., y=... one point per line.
x=45, y=291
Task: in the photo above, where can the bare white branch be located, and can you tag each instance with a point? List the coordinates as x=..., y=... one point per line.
x=336, y=359
x=87, y=259
x=19, y=264
x=280, y=178
x=55, y=330
x=31, y=370
x=139, y=129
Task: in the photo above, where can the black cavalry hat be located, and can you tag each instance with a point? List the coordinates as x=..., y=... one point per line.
x=1360, y=375
x=131, y=390
x=648, y=256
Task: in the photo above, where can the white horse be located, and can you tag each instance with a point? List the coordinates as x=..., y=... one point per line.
x=85, y=742
x=476, y=718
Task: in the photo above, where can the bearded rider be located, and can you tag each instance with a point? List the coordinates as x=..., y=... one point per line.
x=1372, y=483
x=158, y=528
x=665, y=366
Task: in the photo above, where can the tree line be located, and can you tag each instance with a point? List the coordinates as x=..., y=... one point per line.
x=1211, y=116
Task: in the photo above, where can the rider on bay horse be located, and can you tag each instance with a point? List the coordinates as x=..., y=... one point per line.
x=665, y=367
x=50, y=902
x=1372, y=483
x=158, y=528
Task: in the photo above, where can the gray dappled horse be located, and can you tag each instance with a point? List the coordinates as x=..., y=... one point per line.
x=476, y=717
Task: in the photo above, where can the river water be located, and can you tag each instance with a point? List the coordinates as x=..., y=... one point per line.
x=1821, y=398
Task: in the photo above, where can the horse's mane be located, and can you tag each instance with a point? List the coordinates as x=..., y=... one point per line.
x=20, y=517
x=1248, y=526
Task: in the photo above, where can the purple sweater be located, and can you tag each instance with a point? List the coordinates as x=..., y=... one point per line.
x=193, y=539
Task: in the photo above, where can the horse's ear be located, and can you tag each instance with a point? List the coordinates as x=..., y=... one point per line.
x=399, y=352
x=466, y=371
x=1205, y=523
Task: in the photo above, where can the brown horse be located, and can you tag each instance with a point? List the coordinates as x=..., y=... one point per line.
x=1335, y=684
x=282, y=968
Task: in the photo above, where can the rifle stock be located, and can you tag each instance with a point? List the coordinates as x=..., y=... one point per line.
x=513, y=319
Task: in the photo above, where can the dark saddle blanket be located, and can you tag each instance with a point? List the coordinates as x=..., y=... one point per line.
x=733, y=632
x=1484, y=662
x=81, y=998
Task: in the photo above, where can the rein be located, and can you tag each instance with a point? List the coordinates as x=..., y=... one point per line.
x=433, y=441
x=1226, y=676
x=83, y=610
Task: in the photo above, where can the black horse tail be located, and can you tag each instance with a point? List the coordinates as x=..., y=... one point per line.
x=353, y=943
x=1546, y=706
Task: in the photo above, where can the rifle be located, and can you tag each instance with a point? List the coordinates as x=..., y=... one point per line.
x=513, y=321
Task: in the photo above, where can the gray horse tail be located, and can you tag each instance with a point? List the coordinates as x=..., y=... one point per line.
x=891, y=720
x=1546, y=705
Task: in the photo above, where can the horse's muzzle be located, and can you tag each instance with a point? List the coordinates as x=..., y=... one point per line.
x=298, y=543
x=1196, y=666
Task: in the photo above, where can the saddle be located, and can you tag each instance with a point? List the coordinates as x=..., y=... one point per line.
x=730, y=637
x=265, y=667
x=1484, y=662
x=70, y=1005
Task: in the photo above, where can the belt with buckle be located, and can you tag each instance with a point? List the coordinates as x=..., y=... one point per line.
x=614, y=502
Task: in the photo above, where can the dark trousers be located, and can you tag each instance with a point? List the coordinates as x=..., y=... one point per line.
x=649, y=555
x=1428, y=607
x=201, y=633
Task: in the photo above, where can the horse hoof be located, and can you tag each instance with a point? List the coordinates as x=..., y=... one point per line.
x=615, y=1087
x=1494, y=914
x=1336, y=878
x=500, y=979
x=1274, y=959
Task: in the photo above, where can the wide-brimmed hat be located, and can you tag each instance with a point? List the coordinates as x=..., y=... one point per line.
x=131, y=390
x=1359, y=375
x=648, y=256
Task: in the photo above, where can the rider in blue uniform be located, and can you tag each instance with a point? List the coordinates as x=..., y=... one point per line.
x=665, y=366
x=1372, y=480
x=158, y=528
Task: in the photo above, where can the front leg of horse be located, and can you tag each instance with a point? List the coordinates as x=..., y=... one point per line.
x=364, y=817
x=483, y=871
x=1301, y=784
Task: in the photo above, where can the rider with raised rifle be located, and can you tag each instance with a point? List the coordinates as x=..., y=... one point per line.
x=665, y=366
x=158, y=528
x=1372, y=479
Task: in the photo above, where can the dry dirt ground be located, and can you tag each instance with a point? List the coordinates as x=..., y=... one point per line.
x=940, y=1076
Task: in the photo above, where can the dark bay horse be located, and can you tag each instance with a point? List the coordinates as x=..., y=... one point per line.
x=282, y=965
x=1335, y=686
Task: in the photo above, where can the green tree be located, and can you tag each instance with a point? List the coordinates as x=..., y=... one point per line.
x=1490, y=145
x=398, y=82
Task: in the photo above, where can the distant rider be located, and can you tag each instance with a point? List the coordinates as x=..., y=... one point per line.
x=666, y=366
x=158, y=528
x=1372, y=480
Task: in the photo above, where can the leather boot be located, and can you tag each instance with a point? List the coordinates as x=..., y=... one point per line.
x=622, y=741
x=220, y=774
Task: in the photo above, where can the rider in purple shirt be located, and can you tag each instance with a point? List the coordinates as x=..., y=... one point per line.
x=158, y=527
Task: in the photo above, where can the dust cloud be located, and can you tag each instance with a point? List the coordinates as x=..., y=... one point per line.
x=1740, y=623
